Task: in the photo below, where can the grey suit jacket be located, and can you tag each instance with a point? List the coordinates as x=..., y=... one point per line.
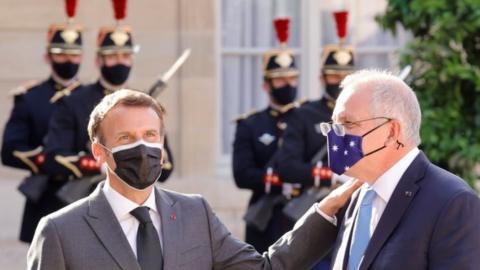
x=432, y=221
x=86, y=235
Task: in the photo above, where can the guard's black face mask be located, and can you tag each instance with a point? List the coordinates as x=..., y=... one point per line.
x=283, y=95
x=66, y=71
x=138, y=163
x=333, y=90
x=115, y=75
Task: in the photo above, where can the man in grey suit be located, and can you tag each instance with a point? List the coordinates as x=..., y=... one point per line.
x=409, y=214
x=127, y=223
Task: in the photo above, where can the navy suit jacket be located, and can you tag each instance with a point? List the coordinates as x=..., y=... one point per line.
x=432, y=221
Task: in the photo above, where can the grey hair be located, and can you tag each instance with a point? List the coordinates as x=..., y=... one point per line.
x=391, y=97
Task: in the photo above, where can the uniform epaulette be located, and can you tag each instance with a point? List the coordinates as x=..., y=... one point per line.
x=293, y=105
x=23, y=88
x=65, y=92
x=244, y=116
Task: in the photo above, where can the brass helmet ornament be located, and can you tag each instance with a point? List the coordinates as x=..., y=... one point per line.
x=280, y=62
x=116, y=39
x=65, y=38
x=338, y=58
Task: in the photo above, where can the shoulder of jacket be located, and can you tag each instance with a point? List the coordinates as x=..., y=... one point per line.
x=245, y=115
x=293, y=105
x=23, y=88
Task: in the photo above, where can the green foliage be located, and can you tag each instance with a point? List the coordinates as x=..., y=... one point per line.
x=445, y=56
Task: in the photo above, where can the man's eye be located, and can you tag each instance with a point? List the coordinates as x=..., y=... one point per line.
x=151, y=134
x=123, y=137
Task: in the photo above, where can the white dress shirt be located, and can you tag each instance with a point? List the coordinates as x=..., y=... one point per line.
x=121, y=208
x=384, y=187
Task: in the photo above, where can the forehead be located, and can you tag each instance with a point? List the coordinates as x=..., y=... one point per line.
x=353, y=104
x=123, y=118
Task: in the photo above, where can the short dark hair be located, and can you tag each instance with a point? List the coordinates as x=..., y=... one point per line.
x=125, y=97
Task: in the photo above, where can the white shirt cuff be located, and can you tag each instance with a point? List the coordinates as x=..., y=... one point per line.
x=330, y=219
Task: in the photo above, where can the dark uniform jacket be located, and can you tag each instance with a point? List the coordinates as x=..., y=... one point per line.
x=25, y=131
x=68, y=135
x=256, y=141
x=302, y=140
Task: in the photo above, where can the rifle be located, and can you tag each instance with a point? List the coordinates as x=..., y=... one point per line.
x=403, y=74
x=299, y=205
x=161, y=82
x=260, y=213
x=34, y=185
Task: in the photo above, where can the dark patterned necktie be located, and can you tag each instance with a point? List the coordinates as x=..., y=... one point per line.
x=149, y=250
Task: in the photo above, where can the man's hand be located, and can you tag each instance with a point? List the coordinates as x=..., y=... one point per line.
x=338, y=197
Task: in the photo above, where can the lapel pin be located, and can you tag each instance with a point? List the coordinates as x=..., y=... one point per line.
x=173, y=216
x=408, y=193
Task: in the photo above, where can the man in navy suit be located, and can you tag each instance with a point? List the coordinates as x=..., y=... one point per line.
x=410, y=214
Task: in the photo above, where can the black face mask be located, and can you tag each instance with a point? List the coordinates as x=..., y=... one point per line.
x=333, y=90
x=284, y=95
x=66, y=70
x=116, y=75
x=138, y=164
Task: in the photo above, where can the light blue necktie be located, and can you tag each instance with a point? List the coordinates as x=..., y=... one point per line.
x=361, y=235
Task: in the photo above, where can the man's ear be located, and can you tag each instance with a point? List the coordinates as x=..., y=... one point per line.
x=98, y=61
x=46, y=58
x=394, y=132
x=321, y=77
x=266, y=87
x=98, y=153
x=164, y=153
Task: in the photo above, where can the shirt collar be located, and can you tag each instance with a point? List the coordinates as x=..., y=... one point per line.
x=386, y=183
x=122, y=206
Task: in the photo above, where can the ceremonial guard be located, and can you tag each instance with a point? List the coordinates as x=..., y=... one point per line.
x=67, y=148
x=302, y=158
x=256, y=140
x=23, y=138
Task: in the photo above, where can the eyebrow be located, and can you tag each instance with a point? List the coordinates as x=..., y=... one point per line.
x=121, y=133
x=153, y=130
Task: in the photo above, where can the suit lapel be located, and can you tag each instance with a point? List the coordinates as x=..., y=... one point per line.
x=345, y=235
x=171, y=220
x=401, y=198
x=104, y=224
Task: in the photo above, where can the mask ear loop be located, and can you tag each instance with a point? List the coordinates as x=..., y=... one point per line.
x=372, y=130
x=105, y=148
x=375, y=128
x=374, y=151
x=109, y=152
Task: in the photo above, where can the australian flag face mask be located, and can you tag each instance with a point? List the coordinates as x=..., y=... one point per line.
x=345, y=151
